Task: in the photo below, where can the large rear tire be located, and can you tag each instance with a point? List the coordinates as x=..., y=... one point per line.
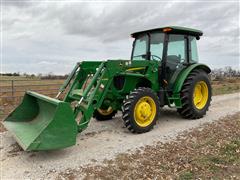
x=140, y=110
x=195, y=95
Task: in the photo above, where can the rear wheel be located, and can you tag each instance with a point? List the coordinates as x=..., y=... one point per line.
x=140, y=110
x=196, y=95
x=104, y=114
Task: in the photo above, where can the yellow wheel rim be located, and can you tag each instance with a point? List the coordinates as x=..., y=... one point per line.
x=145, y=111
x=105, y=112
x=200, y=95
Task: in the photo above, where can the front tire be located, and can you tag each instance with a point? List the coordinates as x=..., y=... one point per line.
x=195, y=95
x=104, y=114
x=140, y=110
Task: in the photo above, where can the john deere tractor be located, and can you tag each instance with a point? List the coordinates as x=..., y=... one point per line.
x=163, y=70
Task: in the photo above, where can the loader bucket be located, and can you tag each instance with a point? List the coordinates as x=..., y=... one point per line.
x=42, y=123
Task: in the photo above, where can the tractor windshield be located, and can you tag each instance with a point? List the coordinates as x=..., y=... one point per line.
x=142, y=51
x=140, y=48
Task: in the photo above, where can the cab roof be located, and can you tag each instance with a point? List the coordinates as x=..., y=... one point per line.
x=173, y=30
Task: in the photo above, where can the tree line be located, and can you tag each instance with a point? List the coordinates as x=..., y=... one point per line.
x=226, y=72
x=215, y=74
x=36, y=76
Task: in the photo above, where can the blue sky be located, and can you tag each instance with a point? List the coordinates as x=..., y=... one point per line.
x=51, y=36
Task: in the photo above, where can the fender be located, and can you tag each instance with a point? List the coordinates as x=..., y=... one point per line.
x=185, y=72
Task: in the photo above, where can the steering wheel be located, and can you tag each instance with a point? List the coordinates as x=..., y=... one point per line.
x=155, y=56
x=141, y=56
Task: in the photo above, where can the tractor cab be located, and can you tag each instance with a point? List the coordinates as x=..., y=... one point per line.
x=176, y=44
x=173, y=47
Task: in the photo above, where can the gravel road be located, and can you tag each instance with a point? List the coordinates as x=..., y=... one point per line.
x=103, y=140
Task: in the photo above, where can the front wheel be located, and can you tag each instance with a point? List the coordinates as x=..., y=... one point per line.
x=196, y=95
x=101, y=114
x=140, y=110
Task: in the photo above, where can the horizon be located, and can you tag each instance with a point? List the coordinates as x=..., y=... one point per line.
x=224, y=69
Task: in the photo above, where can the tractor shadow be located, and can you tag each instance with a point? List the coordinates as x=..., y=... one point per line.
x=116, y=125
x=169, y=113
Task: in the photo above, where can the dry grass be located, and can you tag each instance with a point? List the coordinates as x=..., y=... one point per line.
x=50, y=87
x=212, y=152
x=21, y=85
x=47, y=87
x=226, y=86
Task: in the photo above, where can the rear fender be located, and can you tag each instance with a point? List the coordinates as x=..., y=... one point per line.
x=184, y=74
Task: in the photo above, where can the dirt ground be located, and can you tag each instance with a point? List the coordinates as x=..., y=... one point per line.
x=209, y=151
x=102, y=142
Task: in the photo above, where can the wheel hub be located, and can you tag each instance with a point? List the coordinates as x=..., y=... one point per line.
x=105, y=112
x=200, y=95
x=145, y=111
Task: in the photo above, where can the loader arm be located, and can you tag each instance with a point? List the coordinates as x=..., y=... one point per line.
x=68, y=80
x=92, y=96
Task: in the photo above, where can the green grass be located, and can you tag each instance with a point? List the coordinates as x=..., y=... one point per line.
x=187, y=175
x=230, y=152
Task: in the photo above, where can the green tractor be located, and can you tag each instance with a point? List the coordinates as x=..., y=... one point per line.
x=163, y=70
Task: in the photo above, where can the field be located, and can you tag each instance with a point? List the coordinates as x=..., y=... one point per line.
x=12, y=89
x=226, y=86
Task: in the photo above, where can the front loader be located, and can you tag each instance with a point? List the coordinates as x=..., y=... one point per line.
x=163, y=70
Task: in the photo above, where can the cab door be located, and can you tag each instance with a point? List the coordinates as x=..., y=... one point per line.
x=176, y=57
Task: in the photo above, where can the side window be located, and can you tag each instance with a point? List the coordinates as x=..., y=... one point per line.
x=194, y=51
x=176, y=49
x=140, y=48
x=156, y=46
